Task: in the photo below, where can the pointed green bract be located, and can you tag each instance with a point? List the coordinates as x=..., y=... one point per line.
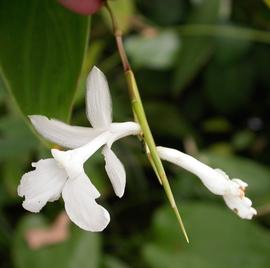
x=41, y=53
x=150, y=144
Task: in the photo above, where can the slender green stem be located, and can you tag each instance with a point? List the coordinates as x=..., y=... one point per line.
x=140, y=116
x=224, y=31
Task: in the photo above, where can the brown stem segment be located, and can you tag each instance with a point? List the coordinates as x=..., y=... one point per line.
x=119, y=40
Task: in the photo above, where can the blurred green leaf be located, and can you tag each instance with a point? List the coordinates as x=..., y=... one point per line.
x=229, y=88
x=222, y=147
x=41, y=54
x=218, y=239
x=2, y=92
x=81, y=249
x=157, y=52
x=231, y=50
x=12, y=173
x=216, y=124
x=164, y=12
x=16, y=139
x=243, y=139
x=166, y=119
x=195, y=51
x=123, y=11
x=112, y=262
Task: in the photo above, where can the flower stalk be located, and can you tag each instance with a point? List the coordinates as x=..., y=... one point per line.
x=140, y=116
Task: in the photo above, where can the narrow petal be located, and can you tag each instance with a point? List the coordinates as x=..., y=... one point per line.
x=61, y=133
x=241, y=206
x=79, y=196
x=115, y=171
x=41, y=185
x=121, y=130
x=215, y=180
x=98, y=100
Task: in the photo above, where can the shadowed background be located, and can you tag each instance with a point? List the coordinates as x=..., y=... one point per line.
x=203, y=72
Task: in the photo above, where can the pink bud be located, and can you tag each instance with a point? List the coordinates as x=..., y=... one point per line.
x=83, y=7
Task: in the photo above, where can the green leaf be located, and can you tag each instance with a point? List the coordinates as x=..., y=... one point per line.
x=166, y=119
x=229, y=88
x=123, y=11
x=165, y=13
x=195, y=50
x=81, y=249
x=16, y=139
x=112, y=262
x=41, y=53
x=157, y=52
x=218, y=239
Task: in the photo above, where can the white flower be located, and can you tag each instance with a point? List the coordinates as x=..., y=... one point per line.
x=65, y=174
x=217, y=181
x=99, y=113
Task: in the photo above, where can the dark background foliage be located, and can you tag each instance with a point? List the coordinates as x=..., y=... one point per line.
x=203, y=71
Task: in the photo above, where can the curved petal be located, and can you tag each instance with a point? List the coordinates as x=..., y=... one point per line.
x=98, y=100
x=79, y=195
x=115, y=171
x=61, y=133
x=121, y=130
x=41, y=185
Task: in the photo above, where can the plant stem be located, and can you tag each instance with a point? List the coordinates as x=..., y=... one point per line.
x=140, y=116
x=229, y=31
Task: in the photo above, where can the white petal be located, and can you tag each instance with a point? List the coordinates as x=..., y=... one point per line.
x=215, y=180
x=241, y=206
x=61, y=133
x=115, y=171
x=73, y=160
x=41, y=185
x=98, y=100
x=79, y=196
x=121, y=130
x=241, y=183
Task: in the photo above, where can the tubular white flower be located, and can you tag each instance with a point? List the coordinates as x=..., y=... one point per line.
x=99, y=113
x=216, y=180
x=65, y=174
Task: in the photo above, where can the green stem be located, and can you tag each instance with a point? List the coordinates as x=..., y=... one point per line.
x=140, y=116
x=224, y=31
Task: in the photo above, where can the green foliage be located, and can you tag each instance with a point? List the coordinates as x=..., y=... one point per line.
x=41, y=53
x=195, y=50
x=13, y=131
x=229, y=87
x=81, y=249
x=123, y=11
x=230, y=241
x=203, y=72
x=157, y=52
